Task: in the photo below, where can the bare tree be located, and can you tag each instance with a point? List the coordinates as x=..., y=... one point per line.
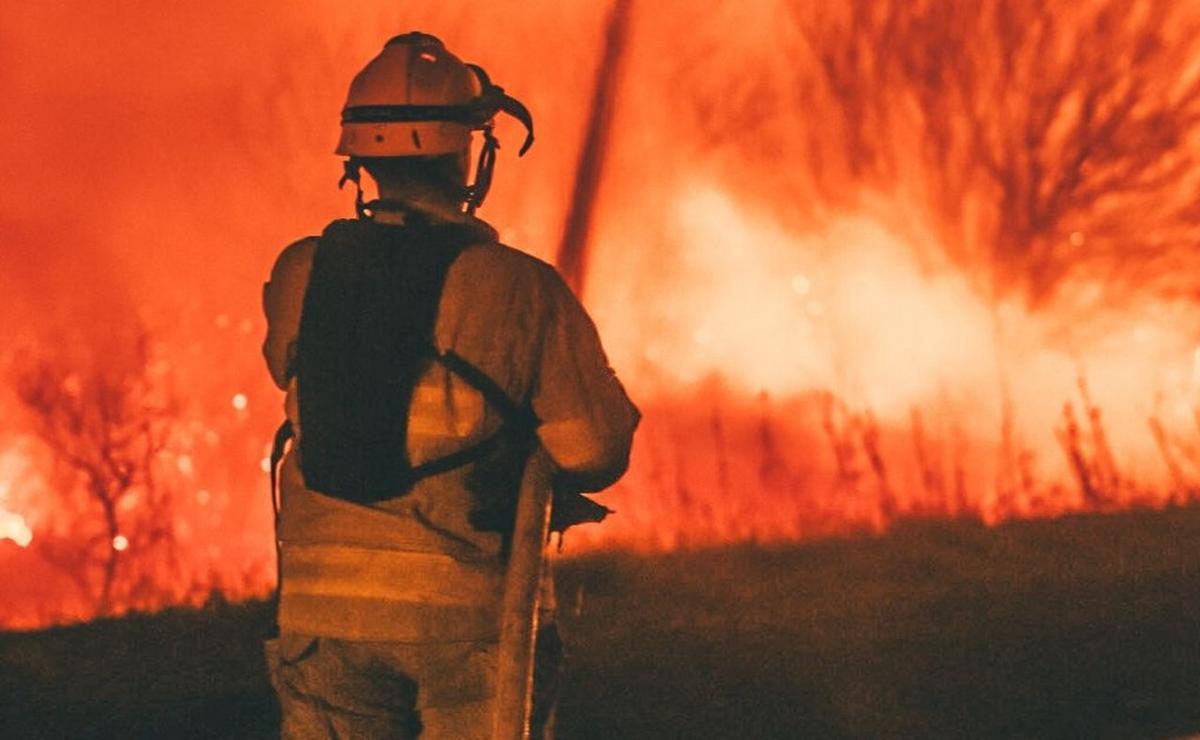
x=106, y=424
x=1041, y=141
x=1053, y=137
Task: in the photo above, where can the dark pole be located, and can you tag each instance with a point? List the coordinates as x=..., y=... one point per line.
x=573, y=250
x=519, y=607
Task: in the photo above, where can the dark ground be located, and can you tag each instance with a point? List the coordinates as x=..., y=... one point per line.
x=1076, y=628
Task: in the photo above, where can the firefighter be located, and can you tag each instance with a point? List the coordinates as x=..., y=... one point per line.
x=422, y=362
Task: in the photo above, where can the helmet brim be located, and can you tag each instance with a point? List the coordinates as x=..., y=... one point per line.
x=403, y=139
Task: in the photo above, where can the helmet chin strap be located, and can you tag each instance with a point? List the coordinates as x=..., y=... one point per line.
x=352, y=172
x=492, y=100
x=475, y=193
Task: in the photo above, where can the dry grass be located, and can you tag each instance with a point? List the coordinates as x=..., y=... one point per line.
x=1077, y=627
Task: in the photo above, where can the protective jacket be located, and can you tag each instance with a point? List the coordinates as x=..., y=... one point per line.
x=415, y=568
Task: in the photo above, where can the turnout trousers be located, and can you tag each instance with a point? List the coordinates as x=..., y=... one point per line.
x=332, y=688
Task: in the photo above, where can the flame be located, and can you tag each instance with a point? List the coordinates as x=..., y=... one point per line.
x=933, y=383
x=14, y=468
x=783, y=313
x=14, y=527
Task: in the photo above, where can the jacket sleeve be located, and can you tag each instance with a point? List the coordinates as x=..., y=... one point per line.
x=587, y=419
x=283, y=300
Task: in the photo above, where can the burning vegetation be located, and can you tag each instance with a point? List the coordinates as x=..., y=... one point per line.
x=106, y=432
x=857, y=262
x=946, y=251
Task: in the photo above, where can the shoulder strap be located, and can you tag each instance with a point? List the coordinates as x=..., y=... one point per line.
x=518, y=421
x=495, y=395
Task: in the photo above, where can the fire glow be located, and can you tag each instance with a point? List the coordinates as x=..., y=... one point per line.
x=857, y=262
x=13, y=526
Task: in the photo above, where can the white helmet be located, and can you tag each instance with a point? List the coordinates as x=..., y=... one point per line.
x=417, y=99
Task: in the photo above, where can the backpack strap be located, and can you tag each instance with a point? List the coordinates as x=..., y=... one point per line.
x=522, y=419
x=517, y=420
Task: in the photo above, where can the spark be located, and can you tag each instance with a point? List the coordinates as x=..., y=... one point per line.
x=185, y=465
